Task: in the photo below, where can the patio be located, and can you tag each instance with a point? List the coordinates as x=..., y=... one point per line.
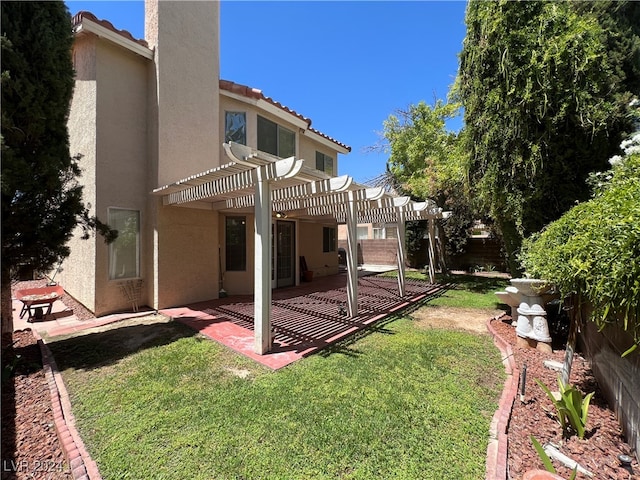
x=305, y=318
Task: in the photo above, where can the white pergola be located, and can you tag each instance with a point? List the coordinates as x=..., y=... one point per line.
x=268, y=184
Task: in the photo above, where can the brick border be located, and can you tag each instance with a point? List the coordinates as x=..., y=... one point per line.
x=84, y=468
x=497, y=450
x=80, y=462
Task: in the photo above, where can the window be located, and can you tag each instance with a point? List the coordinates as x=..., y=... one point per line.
x=328, y=239
x=124, y=252
x=235, y=127
x=324, y=163
x=274, y=139
x=363, y=233
x=236, y=243
x=391, y=232
x=381, y=231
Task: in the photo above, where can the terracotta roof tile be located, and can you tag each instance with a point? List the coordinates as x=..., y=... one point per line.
x=257, y=94
x=331, y=139
x=78, y=17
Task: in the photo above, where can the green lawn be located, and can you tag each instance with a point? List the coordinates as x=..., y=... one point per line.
x=401, y=402
x=466, y=291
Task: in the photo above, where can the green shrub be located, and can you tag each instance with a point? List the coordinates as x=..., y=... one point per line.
x=594, y=249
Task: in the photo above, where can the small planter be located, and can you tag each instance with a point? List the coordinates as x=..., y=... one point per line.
x=540, y=475
x=307, y=275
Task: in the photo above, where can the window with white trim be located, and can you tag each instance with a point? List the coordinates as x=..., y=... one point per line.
x=363, y=233
x=391, y=232
x=124, y=251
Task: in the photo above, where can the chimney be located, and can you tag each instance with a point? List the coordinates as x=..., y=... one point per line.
x=184, y=86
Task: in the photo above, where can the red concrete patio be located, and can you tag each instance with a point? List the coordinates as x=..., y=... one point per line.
x=305, y=318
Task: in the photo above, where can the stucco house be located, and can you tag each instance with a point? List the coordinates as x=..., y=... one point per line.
x=213, y=186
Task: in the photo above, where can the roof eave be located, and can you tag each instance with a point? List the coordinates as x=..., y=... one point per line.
x=269, y=107
x=340, y=148
x=88, y=26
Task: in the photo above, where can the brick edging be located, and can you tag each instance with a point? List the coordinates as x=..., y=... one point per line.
x=497, y=449
x=84, y=468
x=80, y=462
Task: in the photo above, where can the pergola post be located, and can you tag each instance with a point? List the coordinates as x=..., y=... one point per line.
x=262, y=274
x=401, y=252
x=432, y=251
x=352, y=255
x=246, y=182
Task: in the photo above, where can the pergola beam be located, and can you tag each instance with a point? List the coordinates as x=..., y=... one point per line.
x=266, y=183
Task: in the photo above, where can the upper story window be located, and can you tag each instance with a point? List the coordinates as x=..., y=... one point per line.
x=235, y=127
x=274, y=139
x=124, y=252
x=324, y=163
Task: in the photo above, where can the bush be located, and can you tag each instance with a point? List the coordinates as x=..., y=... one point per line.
x=594, y=249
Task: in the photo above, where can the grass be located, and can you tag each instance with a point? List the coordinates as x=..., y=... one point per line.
x=466, y=291
x=402, y=403
x=471, y=291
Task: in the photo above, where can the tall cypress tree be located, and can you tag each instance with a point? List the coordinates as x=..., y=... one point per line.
x=544, y=86
x=41, y=199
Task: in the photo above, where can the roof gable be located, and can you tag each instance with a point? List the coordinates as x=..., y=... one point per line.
x=87, y=21
x=254, y=93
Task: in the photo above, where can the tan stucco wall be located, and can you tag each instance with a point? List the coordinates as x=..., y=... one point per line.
x=160, y=121
x=310, y=237
x=76, y=275
x=121, y=160
x=308, y=149
x=187, y=256
x=186, y=41
x=108, y=125
x=238, y=282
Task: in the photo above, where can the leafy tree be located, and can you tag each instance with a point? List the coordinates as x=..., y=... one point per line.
x=41, y=199
x=427, y=161
x=544, y=86
x=594, y=248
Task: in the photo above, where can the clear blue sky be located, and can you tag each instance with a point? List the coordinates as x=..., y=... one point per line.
x=345, y=65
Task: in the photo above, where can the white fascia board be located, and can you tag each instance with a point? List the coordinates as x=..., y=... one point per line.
x=90, y=27
x=326, y=142
x=280, y=113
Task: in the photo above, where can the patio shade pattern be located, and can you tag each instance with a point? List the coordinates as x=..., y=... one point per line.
x=255, y=179
x=307, y=318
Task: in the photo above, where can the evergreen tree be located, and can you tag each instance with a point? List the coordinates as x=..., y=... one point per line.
x=544, y=86
x=41, y=199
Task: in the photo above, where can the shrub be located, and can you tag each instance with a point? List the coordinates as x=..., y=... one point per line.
x=594, y=249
